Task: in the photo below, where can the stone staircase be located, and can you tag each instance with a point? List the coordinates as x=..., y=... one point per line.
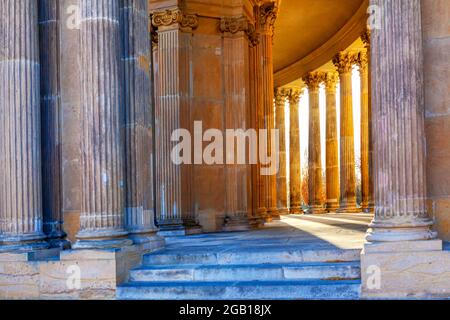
x=252, y=273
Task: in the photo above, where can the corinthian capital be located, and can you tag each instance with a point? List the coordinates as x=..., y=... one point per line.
x=294, y=96
x=281, y=94
x=268, y=13
x=331, y=81
x=239, y=24
x=314, y=79
x=365, y=37
x=362, y=60
x=344, y=61
x=166, y=18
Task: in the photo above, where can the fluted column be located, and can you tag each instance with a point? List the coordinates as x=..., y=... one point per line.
x=267, y=16
x=315, y=190
x=366, y=126
x=362, y=62
x=344, y=63
x=295, y=179
x=261, y=180
x=398, y=125
x=280, y=118
x=332, y=143
x=51, y=123
x=173, y=195
x=102, y=152
x=139, y=219
x=237, y=89
x=21, y=217
x=257, y=190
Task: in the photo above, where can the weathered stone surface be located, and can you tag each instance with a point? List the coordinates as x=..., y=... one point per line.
x=267, y=16
x=51, y=140
x=398, y=124
x=139, y=204
x=21, y=217
x=238, y=176
x=102, y=149
x=435, y=23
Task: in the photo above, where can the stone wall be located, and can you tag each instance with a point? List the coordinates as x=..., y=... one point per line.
x=436, y=28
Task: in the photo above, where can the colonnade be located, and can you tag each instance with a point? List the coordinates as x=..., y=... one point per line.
x=339, y=192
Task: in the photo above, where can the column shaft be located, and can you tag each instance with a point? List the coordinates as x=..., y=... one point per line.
x=280, y=111
x=139, y=218
x=365, y=137
x=315, y=176
x=21, y=217
x=267, y=15
x=51, y=123
x=174, y=202
x=102, y=160
x=332, y=143
x=344, y=63
x=236, y=51
x=261, y=123
x=398, y=124
x=257, y=219
x=295, y=180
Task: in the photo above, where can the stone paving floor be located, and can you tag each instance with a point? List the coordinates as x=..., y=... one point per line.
x=339, y=231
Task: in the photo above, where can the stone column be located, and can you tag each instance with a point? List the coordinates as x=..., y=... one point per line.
x=174, y=31
x=139, y=219
x=332, y=143
x=344, y=63
x=267, y=16
x=51, y=123
x=315, y=178
x=261, y=123
x=257, y=191
x=366, y=127
x=295, y=180
x=280, y=118
x=398, y=124
x=102, y=160
x=21, y=217
x=237, y=99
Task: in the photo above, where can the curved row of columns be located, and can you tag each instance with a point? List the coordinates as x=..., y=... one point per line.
x=395, y=127
x=115, y=86
x=340, y=189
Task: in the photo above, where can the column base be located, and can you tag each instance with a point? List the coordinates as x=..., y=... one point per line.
x=315, y=210
x=296, y=210
x=332, y=206
x=236, y=224
x=57, y=239
x=368, y=209
x=349, y=210
x=62, y=244
x=405, y=270
x=104, y=239
x=23, y=243
x=395, y=232
x=274, y=214
x=147, y=238
x=283, y=211
x=171, y=230
x=256, y=222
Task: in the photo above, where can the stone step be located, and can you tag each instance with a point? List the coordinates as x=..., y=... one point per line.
x=250, y=290
x=250, y=272
x=255, y=256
